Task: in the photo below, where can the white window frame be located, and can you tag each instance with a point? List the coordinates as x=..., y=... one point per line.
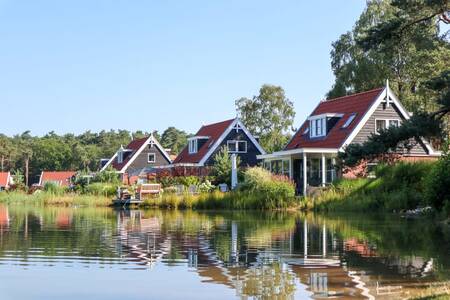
x=193, y=146
x=154, y=157
x=386, y=123
x=318, y=127
x=236, y=145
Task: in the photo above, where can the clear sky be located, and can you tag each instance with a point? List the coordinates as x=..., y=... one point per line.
x=71, y=66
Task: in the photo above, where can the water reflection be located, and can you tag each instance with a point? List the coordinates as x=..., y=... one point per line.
x=256, y=255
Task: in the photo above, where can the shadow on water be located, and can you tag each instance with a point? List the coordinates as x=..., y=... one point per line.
x=256, y=254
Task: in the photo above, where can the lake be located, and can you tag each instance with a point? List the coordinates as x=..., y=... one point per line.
x=102, y=253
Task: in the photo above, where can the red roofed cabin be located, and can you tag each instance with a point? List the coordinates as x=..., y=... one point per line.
x=199, y=154
x=139, y=158
x=310, y=156
x=60, y=178
x=5, y=180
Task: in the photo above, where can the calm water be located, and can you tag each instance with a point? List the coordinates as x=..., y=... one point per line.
x=100, y=253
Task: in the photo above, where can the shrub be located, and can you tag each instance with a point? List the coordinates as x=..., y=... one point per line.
x=53, y=188
x=222, y=166
x=437, y=191
x=109, y=175
x=101, y=189
x=271, y=191
x=206, y=187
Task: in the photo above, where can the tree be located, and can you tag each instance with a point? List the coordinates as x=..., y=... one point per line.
x=415, y=22
x=365, y=57
x=222, y=166
x=174, y=139
x=269, y=115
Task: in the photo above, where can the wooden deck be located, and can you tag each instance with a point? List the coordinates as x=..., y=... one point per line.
x=124, y=202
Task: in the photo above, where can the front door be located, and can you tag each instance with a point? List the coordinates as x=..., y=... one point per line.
x=298, y=175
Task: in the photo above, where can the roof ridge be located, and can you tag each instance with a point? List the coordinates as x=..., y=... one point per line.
x=205, y=125
x=355, y=94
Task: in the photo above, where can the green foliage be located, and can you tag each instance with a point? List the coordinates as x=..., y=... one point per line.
x=270, y=115
x=206, y=187
x=221, y=169
x=272, y=191
x=54, y=188
x=174, y=139
x=101, y=189
x=437, y=191
x=382, y=45
x=398, y=187
x=108, y=175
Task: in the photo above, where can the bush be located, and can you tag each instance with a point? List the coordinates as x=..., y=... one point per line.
x=206, y=187
x=101, y=189
x=437, y=191
x=54, y=189
x=109, y=175
x=271, y=191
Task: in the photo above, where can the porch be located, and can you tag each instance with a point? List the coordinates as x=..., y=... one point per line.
x=305, y=168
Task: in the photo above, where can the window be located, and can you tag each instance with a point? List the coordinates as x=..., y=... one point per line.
x=380, y=125
x=237, y=146
x=384, y=124
x=193, y=146
x=306, y=131
x=286, y=164
x=318, y=127
x=349, y=121
x=395, y=123
x=151, y=158
x=120, y=157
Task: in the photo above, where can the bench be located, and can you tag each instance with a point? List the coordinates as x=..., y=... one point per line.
x=149, y=189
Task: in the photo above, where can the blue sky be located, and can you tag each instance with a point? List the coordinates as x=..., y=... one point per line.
x=71, y=66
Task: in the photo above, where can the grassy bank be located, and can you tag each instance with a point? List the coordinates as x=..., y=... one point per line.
x=395, y=188
x=48, y=199
x=219, y=200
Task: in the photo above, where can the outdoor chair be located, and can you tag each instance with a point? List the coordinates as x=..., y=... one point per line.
x=149, y=189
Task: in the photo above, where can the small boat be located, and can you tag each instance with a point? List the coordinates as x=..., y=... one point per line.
x=124, y=198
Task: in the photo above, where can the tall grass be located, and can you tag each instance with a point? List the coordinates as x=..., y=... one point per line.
x=45, y=198
x=219, y=200
x=395, y=188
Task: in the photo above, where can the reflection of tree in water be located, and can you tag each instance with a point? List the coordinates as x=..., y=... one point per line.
x=274, y=281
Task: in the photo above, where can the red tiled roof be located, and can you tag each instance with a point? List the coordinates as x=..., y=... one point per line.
x=133, y=145
x=357, y=104
x=57, y=176
x=4, y=179
x=213, y=131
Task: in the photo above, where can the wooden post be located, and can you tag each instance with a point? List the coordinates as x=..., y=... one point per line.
x=324, y=170
x=305, y=173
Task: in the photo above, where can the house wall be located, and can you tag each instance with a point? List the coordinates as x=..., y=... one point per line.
x=141, y=161
x=247, y=159
x=385, y=112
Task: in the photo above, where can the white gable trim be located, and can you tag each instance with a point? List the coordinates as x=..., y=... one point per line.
x=40, y=178
x=109, y=162
x=224, y=135
x=390, y=97
x=139, y=151
x=163, y=151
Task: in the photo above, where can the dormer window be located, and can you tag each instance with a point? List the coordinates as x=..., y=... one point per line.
x=318, y=127
x=120, y=157
x=196, y=142
x=193, y=146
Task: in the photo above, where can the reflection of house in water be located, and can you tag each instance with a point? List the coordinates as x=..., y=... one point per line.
x=4, y=218
x=309, y=256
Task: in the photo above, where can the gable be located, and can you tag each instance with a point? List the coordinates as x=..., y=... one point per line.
x=248, y=158
x=140, y=161
x=385, y=113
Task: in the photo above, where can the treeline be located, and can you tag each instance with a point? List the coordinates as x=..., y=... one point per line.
x=29, y=155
